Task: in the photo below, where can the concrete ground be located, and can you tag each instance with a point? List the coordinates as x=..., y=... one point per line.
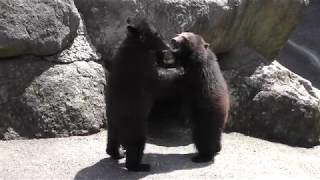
x=80, y=158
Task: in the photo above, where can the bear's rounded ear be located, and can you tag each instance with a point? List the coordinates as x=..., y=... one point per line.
x=206, y=45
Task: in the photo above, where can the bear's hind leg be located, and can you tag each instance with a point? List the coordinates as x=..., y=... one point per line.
x=204, y=147
x=134, y=129
x=207, y=150
x=133, y=140
x=134, y=156
x=113, y=144
x=207, y=131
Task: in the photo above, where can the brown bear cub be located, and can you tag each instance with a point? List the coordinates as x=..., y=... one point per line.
x=206, y=93
x=131, y=90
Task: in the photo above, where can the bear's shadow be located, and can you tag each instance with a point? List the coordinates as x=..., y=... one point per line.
x=160, y=163
x=169, y=134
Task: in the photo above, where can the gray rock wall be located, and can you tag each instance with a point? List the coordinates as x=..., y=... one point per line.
x=264, y=25
x=36, y=27
x=53, y=85
x=52, y=81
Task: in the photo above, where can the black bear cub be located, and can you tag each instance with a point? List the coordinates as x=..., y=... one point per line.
x=206, y=93
x=130, y=92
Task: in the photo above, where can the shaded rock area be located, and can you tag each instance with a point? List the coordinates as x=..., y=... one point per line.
x=36, y=27
x=264, y=25
x=301, y=54
x=288, y=104
x=248, y=33
x=271, y=102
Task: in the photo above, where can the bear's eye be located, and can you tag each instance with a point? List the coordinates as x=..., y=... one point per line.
x=156, y=34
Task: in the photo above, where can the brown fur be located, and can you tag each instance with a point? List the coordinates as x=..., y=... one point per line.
x=206, y=93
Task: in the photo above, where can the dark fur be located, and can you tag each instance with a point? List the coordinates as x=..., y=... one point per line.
x=206, y=94
x=132, y=88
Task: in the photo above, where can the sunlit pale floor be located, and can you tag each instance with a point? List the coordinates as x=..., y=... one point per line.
x=242, y=157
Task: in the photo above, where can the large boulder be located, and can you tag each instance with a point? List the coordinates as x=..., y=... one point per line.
x=36, y=27
x=53, y=96
x=301, y=53
x=43, y=99
x=264, y=25
x=271, y=102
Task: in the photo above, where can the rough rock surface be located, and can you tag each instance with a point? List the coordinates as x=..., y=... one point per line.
x=83, y=158
x=301, y=54
x=59, y=89
x=226, y=25
x=273, y=103
x=36, y=27
x=42, y=99
x=264, y=25
x=51, y=96
x=81, y=49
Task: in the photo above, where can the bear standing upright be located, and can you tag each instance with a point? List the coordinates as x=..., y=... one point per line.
x=130, y=92
x=206, y=93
